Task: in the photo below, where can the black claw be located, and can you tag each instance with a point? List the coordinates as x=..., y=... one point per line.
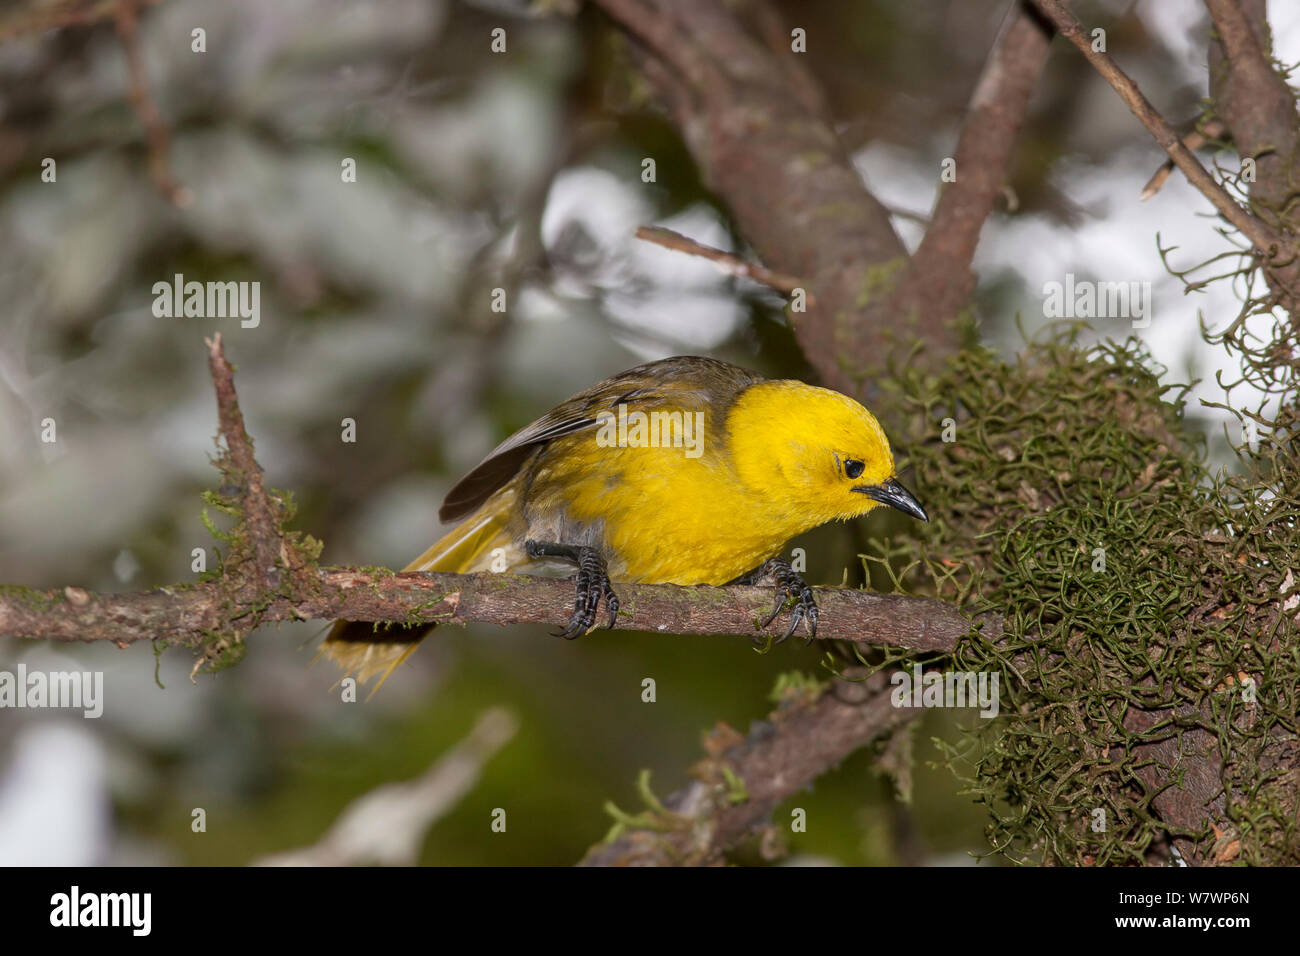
x=812, y=613
x=788, y=585
x=776, y=609
x=611, y=604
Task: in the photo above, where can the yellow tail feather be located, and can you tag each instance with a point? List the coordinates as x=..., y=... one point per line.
x=360, y=649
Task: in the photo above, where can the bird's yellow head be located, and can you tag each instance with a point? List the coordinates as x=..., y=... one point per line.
x=814, y=454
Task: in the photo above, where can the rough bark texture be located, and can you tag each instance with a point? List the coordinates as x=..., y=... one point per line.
x=189, y=616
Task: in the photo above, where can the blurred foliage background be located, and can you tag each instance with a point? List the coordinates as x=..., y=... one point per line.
x=476, y=171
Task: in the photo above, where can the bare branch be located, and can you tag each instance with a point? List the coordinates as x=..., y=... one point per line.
x=730, y=264
x=157, y=135
x=1263, y=237
x=1193, y=140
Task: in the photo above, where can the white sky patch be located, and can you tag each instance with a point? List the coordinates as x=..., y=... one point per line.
x=668, y=301
x=54, y=805
x=894, y=176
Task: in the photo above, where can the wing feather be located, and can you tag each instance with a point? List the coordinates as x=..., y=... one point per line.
x=683, y=377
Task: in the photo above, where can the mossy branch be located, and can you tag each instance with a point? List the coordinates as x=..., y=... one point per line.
x=189, y=614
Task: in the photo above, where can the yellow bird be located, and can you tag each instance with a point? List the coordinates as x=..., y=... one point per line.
x=683, y=471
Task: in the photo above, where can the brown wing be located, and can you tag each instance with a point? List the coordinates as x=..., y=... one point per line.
x=683, y=378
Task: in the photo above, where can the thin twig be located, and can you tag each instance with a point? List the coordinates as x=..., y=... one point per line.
x=1264, y=239
x=1193, y=140
x=157, y=135
x=729, y=263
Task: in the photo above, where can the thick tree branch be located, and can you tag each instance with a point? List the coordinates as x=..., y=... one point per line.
x=189, y=616
x=1258, y=108
x=765, y=146
x=745, y=778
x=754, y=118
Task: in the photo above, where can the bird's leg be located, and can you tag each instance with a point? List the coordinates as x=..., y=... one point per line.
x=592, y=584
x=788, y=585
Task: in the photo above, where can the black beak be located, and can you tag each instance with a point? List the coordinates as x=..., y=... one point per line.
x=892, y=493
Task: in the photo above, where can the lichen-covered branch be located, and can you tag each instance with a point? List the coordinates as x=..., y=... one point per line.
x=189, y=615
x=262, y=516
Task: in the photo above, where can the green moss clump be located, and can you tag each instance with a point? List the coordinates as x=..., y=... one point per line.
x=1143, y=599
x=36, y=600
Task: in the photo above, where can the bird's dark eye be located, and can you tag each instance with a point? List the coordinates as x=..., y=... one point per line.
x=853, y=467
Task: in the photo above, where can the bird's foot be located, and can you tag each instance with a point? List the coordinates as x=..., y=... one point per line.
x=790, y=586
x=592, y=584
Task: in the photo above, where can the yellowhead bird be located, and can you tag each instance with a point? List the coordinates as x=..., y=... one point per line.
x=682, y=471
